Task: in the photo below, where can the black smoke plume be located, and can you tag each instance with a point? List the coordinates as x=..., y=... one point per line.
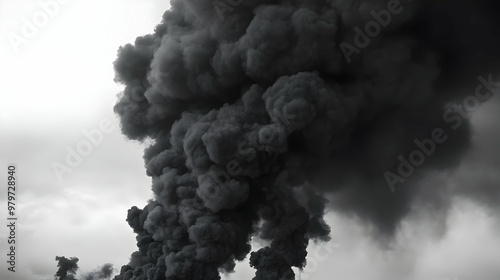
x=68, y=268
x=258, y=110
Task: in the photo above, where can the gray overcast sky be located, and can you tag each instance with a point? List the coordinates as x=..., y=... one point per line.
x=59, y=83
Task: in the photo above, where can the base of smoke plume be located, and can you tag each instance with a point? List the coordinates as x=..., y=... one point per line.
x=455, y=115
x=68, y=268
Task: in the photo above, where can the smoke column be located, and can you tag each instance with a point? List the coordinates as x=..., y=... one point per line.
x=68, y=268
x=256, y=116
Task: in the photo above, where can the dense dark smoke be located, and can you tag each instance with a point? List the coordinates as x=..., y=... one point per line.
x=259, y=109
x=68, y=268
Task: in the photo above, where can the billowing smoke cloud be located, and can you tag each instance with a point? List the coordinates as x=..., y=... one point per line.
x=260, y=109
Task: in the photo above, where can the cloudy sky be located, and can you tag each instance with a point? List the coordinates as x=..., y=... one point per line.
x=57, y=87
